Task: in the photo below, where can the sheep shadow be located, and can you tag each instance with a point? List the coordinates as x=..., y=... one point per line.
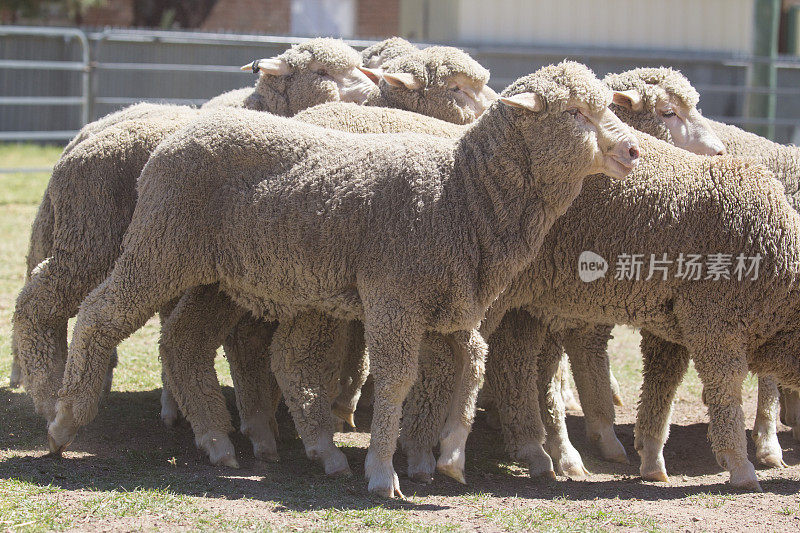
x=126, y=447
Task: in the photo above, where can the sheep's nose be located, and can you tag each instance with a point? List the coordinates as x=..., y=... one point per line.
x=634, y=152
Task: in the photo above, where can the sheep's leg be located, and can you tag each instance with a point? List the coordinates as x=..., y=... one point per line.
x=116, y=308
x=189, y=340
x=393, y=340
x=586, y=348
x=511, y=371
x=354, y=374
x=790, y=410
x=426, y=407
x=170, y=411
x=247, y=350
x=301, y=357
x=565, y=457
x=15, y=379
x=664, y=365
x=722, y=366
x=567, y=395
x=615, y=393
x=469, y=350
x=765, y=429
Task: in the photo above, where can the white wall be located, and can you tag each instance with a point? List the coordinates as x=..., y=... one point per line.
x=702, y=25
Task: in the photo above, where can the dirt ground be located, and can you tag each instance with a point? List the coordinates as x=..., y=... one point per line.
x=127, y=450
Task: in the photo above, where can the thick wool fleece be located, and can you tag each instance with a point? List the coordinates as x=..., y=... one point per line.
x=379, y=53
x=783, y=160
x=72, y=229
x=92, y=193
x=434, y=67
x=586, y=343
x=375, y=210
x=742, y=210
x=360, y=119
x=307, y=85
x=345, y=117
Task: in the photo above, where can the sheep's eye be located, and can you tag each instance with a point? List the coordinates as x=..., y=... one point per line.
x=573, y=112
x=455, y=89
x=668, y=114
x=322, y=72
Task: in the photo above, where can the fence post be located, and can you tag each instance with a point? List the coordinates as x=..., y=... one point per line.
x=763, y=75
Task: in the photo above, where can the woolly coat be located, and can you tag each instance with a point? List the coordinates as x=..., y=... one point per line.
x=426, y=248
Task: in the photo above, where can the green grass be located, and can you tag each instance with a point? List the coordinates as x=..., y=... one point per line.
x=25, y=188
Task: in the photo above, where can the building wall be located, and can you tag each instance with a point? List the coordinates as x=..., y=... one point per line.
x=377, y=18
x=257, y=16
x=113, y=13
x=702, y=25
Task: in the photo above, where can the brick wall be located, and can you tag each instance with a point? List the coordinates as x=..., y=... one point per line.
x=113, y=13
x=377, y=18
x=257, y=16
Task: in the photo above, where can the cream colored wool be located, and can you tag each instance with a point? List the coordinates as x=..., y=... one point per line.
x=379, y=53
x=743, y=210
x=89, y=201
x=439, y=101
x=396, y=198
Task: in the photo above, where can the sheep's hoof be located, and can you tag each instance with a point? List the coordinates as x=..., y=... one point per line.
x=423, y=478
x=61, y=431
x=421, y=463
x=219, y=448
x=743, y=476
x=269, y=456
x=547, y=475
x=169, y=409
x=657, y=475
x=618, y=400
x=772, y=461
x=15, y=380
x=385, y=487
x=337, y=466
x=572, y=470
x=344, y=414
x=751, y=485
x=452, y=471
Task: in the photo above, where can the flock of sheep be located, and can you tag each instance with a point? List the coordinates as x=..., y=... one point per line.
x=386, y=214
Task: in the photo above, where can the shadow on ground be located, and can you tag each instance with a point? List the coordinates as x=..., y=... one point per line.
x=126, y=447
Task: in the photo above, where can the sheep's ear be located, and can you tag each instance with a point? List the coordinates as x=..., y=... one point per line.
x=272, y=66
x=374, y=74
x=530, y=101
x=631, y=99
x=402, y=79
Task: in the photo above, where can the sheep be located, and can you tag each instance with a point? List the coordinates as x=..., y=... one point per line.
x=643, y=96
x=784, y=161
x=743, y=211
x=669, y=112
x=210, y=424
x=307, y=74
x=361, y=219
x=92, y=194
x=379, y=53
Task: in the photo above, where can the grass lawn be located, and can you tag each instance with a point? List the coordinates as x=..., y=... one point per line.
x=127, y=472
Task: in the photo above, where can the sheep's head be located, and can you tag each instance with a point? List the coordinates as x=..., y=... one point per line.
x=379, y=53
x=662, y=102
x=562, y=113
x=439, y=81
x=314, y=72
